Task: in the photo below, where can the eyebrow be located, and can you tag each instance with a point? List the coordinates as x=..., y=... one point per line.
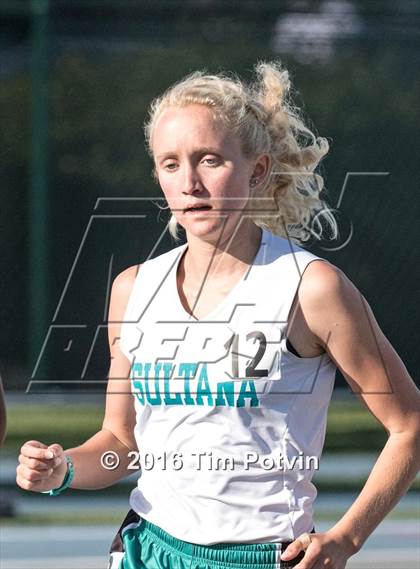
x=198, y=151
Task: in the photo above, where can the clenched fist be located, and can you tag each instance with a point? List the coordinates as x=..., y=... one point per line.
x=41, y=468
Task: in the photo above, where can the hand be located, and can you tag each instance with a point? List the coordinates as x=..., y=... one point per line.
x=41, y=468
x=324, y=550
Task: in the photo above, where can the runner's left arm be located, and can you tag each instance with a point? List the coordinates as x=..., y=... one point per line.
x=340, y=317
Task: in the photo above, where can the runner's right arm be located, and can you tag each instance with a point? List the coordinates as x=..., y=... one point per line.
x=39, y=471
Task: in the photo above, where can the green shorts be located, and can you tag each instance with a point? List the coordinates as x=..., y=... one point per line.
x=140, y=544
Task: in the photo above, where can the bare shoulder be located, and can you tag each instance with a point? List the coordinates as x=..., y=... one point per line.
x=322, y=279
x=339, y=316
x=329, y=299
x=120, y=365
x=119, y=409
x=121, y=290
x=124, y=281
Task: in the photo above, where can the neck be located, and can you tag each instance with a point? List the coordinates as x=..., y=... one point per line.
x=225, y=258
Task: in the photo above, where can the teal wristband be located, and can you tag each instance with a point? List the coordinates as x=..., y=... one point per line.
x=67, y=479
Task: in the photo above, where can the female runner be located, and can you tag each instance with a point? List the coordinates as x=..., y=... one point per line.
x=229, y=345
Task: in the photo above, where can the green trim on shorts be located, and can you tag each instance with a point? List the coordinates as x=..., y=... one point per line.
x=150, y=547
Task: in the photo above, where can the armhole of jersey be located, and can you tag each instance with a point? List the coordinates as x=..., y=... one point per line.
x=290, y=348
x=127, y=318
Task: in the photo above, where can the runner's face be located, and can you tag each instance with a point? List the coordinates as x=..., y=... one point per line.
x=198, y=161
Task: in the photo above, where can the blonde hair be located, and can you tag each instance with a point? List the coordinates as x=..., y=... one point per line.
x=262, y=116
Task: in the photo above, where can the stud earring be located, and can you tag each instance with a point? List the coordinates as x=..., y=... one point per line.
x=253, y=182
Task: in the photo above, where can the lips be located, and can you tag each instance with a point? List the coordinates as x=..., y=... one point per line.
x=197, y=207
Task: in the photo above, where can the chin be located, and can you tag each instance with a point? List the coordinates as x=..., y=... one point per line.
x=202, y=227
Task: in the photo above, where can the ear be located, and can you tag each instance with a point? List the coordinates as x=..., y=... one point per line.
x=261, y=168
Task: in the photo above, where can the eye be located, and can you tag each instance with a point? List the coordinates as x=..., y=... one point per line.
x=212, y=161
x=170, y=166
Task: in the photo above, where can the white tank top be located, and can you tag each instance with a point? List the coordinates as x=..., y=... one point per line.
x=230, y=424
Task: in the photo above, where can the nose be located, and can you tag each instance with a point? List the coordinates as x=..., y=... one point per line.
x=192, y=182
